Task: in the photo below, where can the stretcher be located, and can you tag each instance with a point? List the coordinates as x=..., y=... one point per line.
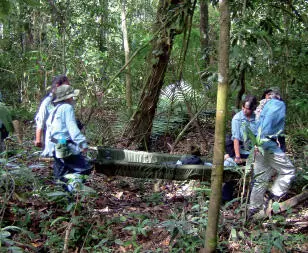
x=141, y=164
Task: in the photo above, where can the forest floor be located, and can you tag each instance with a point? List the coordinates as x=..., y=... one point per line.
x=120, y=214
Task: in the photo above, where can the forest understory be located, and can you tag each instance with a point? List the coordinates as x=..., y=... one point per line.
x=121, y=214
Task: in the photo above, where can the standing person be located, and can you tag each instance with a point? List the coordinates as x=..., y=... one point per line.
x=66, y=142
x=44, y=110
x=266, y=97
x=271, y=124
x=239, y=145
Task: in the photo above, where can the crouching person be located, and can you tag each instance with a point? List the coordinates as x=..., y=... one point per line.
x=67, y=144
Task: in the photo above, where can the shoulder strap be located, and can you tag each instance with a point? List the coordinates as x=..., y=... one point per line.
x=52, y=118
x=54, y=113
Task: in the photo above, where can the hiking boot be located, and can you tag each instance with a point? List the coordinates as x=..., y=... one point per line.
x=270, y=196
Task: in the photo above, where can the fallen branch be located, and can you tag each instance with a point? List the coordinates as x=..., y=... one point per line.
x=283, y=206
x=293, y=201
x=290, y=224
x=45, y=159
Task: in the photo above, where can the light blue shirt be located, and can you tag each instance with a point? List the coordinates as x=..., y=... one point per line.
x=272, y=119
x=239, y=124
x=42, y=115
x=63, y=126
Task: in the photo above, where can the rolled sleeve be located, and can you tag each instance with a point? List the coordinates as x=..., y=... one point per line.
x=236, y=127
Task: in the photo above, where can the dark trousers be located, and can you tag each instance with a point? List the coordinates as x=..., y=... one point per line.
x=73, y=164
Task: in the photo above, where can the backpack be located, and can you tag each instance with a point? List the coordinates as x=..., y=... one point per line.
x=192, y=160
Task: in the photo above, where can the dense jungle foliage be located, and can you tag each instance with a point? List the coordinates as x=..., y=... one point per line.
x=86, y=41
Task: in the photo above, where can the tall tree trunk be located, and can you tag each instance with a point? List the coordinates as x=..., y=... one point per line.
x=168, y=24
x=242, y=90
x=102, y=40
x=204, y=31
x=126, y=52
x=286, y=79
x=220, y=129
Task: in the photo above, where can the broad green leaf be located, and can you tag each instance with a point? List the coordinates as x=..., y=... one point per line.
x=58, y=219
x=14, y=228
x=233, y=234
x=241, y=234
x=102, y=241
x=4, y=234
x=56, y=194
x=123, y=218
x=276, y=207
x=261, y=149
x=118, y=241
x=70, y=206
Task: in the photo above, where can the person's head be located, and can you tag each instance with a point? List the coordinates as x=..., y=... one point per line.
x=65, y=93
x=58, y=81
x=274, y=94
x=266, y=93
x=195, y=150
x=249, y=105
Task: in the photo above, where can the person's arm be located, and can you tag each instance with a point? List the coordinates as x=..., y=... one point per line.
x=236, y=133
x=38, y=137
x=40, y=120
x=236, y=144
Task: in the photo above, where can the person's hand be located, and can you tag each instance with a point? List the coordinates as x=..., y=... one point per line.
x=38, y=144
x=238, y=160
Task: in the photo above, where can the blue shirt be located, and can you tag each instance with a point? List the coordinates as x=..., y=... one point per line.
x=239, y=124
x=61, y=124
x=42, y=115
x=272, y=118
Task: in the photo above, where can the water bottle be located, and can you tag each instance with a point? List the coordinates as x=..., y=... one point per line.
x=62, y=141
x=61, y=148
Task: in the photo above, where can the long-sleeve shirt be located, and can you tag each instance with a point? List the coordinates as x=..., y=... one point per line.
x=272, y=119
x=239, y=124
x=61, y=124
x=42, y=115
